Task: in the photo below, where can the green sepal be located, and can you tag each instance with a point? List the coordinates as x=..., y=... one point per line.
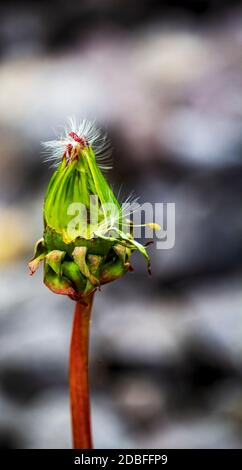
x=94, y=262
x=121, y=251
x=54, y=260
x=79, y=256
x=114, y=270
x=73, y=273
x=129, y=243
x=58, y=284
x=39, y=255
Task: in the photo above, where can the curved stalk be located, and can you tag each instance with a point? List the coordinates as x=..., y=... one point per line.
x=78, y=376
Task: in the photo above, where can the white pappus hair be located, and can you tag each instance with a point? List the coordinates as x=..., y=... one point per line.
x=87, y=130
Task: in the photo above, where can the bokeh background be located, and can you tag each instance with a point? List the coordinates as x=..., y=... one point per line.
x=165, y=80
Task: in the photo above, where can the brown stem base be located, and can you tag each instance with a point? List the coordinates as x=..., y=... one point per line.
x=78, y=376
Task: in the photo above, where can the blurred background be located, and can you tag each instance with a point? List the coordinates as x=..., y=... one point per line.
x=165, y=79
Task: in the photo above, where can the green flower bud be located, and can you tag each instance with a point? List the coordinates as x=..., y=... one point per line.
x=85, y=242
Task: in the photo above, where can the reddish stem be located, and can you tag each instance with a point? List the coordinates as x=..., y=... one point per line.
x=78, y=376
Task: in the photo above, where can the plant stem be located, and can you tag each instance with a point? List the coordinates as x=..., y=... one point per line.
x=78, y=376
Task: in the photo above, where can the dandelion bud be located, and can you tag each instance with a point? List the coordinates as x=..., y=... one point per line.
x=84, y=244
